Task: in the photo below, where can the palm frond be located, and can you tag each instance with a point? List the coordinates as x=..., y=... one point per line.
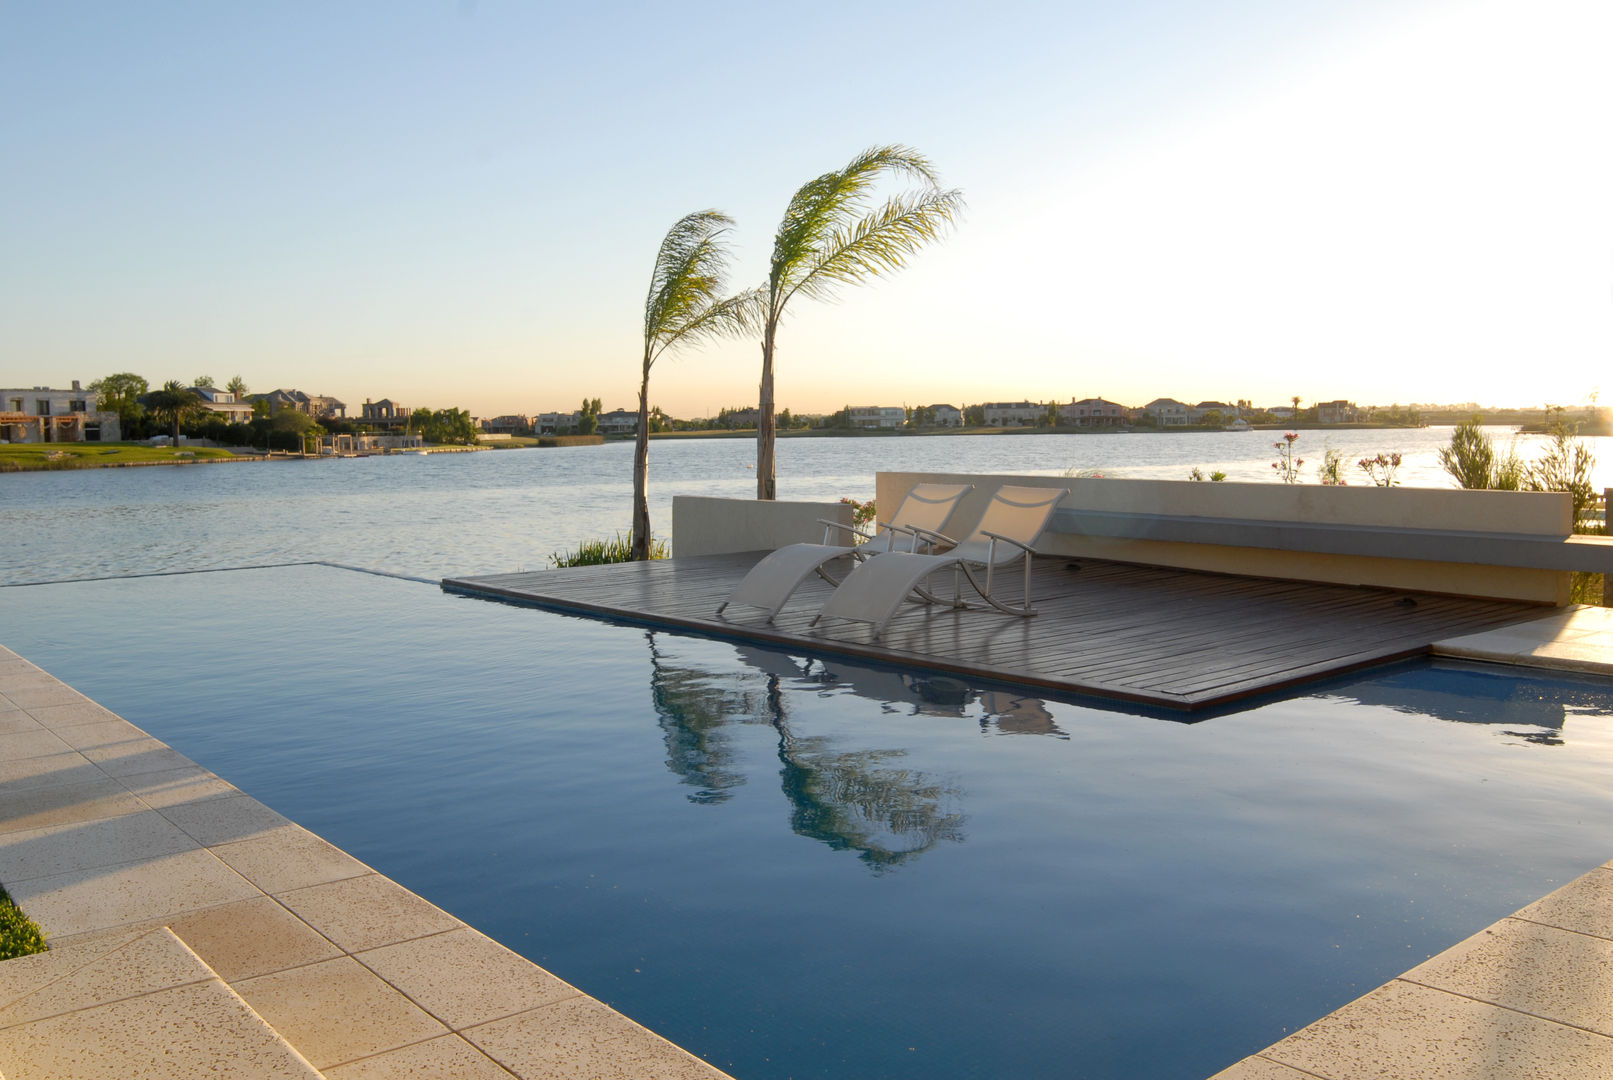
x=878, y=243
x=730, y=317
x=685, y=302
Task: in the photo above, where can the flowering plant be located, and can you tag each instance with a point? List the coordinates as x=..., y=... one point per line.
x=1287, y=465
x=861, y=512
x=1381, y=469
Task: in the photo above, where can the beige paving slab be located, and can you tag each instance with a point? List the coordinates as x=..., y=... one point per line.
x=13, y=720
x=447, y=1057
x=367, y=912
x=337, y=1011
x=189, y=1031
x=98, y=733
x=1411, y=1032
x=93, y=798
x=1540, y=970
x=28, y=692
x=24, y=974
x=84, y=845
x=250, y=938
x=66, y=767
x=1584, y=905
x=465, y=978
x=219, y=821
x=105, y=897
x=16, y=745
x=137, y=756
x=1256, y=1068
x=156, y=960
x=169, y=787
x=581, y=1037
x=73, y=714
x=288, y=858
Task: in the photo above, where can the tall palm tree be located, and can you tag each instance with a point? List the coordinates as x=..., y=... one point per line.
x=174, y=403
x=829, y=238
x=685, y=306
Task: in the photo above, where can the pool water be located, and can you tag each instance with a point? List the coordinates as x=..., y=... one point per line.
x=799, y=867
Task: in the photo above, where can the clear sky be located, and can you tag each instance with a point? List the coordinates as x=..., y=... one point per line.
x=459, y=203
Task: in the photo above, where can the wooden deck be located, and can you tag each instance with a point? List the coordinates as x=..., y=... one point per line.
x=1171, y=638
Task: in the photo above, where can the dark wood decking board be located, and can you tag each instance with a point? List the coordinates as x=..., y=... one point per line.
x=1173, y=638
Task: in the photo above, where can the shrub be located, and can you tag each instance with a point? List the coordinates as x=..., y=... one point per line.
x=598, y=552
x=19, y=935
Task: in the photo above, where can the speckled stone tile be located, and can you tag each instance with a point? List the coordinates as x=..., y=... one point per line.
x=24, y=974
x=66, y=767
x=58, y=804
x=62, y=849
x=447, y=1057
x=189, y=1031
x=74, y=714
x=105, y=897
x=17, y=745
x=250, y=938
x=288, y=858
x=367, y=912
x=1541, y=970
x=14, y=720
x=582, y=1037
x=1584, y=905
x=219, y=821
x=91, y=735
x=156, y=960
x=337, y=1011
x=27, y=692
x=464, y=978
x=1410, y=1032
x=1258, y=1068
x=137, y=756
x=170, y=787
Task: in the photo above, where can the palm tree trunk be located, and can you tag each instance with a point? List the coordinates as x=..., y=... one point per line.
x=176, y=431
x=766, y=482
x=641, y=474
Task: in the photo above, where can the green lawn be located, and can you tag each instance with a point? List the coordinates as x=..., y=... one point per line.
x=91, y=455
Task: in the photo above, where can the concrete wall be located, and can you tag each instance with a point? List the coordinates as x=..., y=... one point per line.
x=702, y=525
x=1528, y=513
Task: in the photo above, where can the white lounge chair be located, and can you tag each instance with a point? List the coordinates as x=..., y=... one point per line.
x=1014, y=520
x=922, y=513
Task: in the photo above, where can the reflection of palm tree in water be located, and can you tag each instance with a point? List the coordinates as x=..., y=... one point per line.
x=858, y=800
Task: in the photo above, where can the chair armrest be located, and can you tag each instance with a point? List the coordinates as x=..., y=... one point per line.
x=1008, y=540
x=831, y=524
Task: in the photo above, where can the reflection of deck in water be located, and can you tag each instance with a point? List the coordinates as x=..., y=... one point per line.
x=1172, y=638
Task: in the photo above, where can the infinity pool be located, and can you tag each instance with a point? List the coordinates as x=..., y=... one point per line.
x=801, y=868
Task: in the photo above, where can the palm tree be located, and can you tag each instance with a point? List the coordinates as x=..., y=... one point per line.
x=685, y=306
x=174, y=403
x=829, y=239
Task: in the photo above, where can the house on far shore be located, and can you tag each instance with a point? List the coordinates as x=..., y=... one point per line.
x=1281, y=412
x=619, y=422
x=223, y=404
x=385, y=413
x=509, y=424
x=320, y=408
x=1012, y=413
x=1337, y=412
x=946, y=415
x=1167, y=412
x=43, y=415
x=876, y=417
x=1092, y=412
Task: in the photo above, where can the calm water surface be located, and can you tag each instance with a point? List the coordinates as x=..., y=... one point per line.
x=452, y=514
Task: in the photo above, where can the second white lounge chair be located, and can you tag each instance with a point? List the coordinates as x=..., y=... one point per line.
x=1014, y=520
x=922, y=513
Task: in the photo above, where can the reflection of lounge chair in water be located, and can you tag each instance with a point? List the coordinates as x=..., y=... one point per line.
x=1012, y=523
x=920, y=516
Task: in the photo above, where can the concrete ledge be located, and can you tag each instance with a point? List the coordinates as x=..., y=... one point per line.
x=703, y=525
x=1465, y=543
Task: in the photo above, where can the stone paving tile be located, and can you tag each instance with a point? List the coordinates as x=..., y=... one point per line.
x=1411, y=1032
x=58, y=804
x=189, y=1031
x=1584, y=905
x=169, y=787
x=111, y=896
x=583, y=1037
x=464, y=978
x=289, y=858
x=24, y=974
x=367, y=912
x=98, y=733
x=137, y=756
x=1258, y=1068
x=27, y=693
x=447, y=1057
x=250, y=938
x=67, y=767
x=62, y=849
x=72, y=715
x=14, y=720
x=1541, y=970
x=219, y=821
x=337, y=1011
x=18, y=745
x=153, y=961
